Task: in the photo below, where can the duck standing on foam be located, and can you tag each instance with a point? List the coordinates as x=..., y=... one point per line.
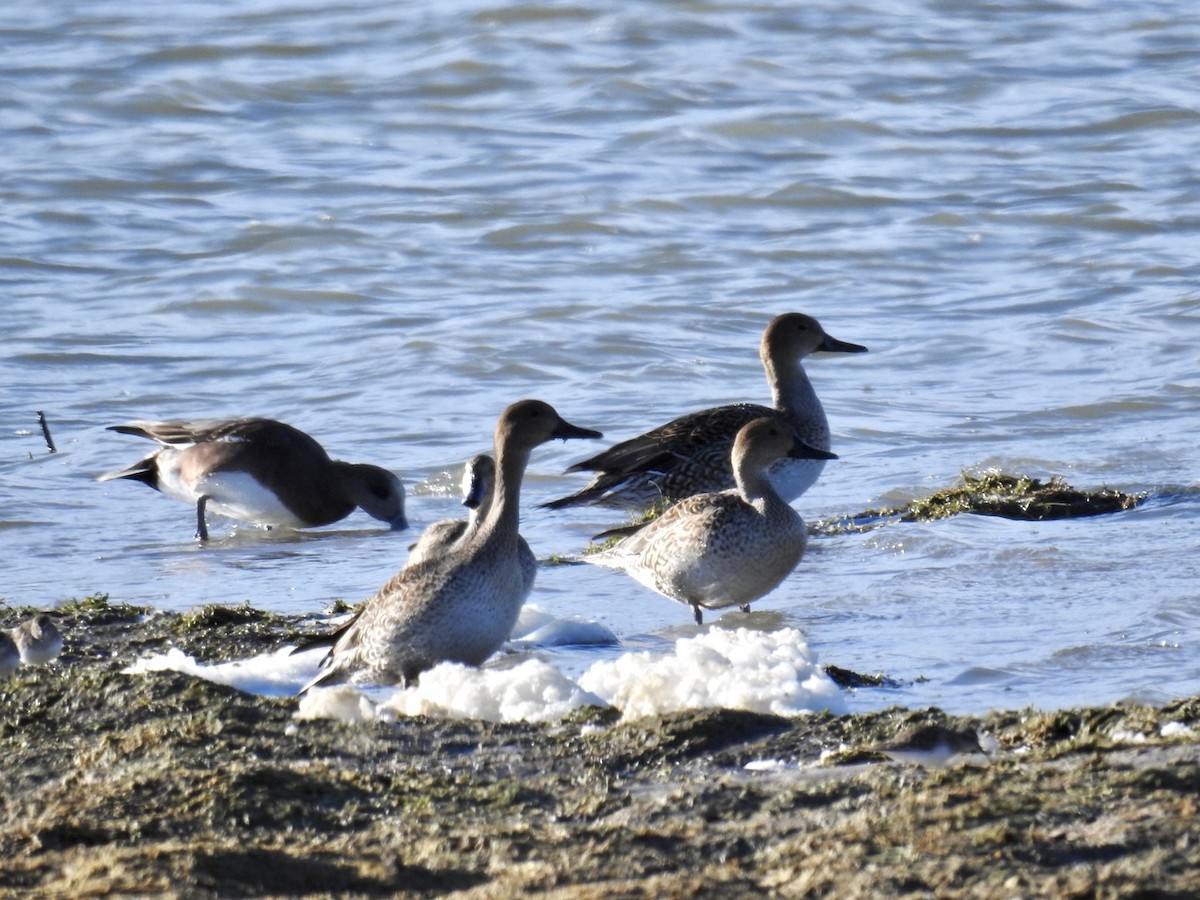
x=461, y=605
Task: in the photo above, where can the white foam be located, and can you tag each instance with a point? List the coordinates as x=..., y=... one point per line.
x=272, y=674
x=533, y=691
x=766, y=765
x=343, y=702
x=1124, y=736
x=536, y=627
x=770, y=672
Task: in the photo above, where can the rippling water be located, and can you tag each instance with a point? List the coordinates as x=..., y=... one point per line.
x=383, y=222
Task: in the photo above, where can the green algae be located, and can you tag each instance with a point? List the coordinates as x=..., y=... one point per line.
x=992, y=493
x=1020, y=497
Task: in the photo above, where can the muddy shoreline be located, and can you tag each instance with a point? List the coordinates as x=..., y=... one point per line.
x=164, y=784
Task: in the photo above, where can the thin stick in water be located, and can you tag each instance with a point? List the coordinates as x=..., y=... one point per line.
x=46, y=432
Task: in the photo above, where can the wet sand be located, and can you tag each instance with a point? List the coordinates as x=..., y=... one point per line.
x=163, y=784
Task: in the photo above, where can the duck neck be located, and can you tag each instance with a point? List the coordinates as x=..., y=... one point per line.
x=791, y=391
x=753, y=484
x=503, y=518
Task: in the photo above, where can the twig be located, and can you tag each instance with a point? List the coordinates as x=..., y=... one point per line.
x=46, y=432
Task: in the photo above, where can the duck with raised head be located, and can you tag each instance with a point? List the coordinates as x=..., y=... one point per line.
x=261, y=471
x=725, y=548
x=461, y=605
x=691, y=454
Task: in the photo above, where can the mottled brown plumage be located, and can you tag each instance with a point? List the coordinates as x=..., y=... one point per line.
x=461, y=605
x=727, y=548
x=691, y=454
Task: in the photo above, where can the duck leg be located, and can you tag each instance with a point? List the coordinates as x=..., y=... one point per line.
x=696, y=612
x=201, y=526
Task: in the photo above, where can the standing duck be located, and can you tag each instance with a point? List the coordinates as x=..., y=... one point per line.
x=728, y=548
x=261, y=471
x=461, y=605
x=690, y=455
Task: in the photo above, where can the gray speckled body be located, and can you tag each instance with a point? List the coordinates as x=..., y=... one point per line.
x=726, y=548
x=38, y=640
x=691, y=454
x=932, y=745
x=462, y=605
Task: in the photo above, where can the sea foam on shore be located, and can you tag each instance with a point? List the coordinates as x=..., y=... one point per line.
x=770, y=672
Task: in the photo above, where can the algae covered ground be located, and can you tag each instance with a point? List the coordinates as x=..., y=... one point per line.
x=163, y=784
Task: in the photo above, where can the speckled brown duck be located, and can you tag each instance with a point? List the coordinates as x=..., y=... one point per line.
x=691, y=454
x=461, y=605
x=725, y=548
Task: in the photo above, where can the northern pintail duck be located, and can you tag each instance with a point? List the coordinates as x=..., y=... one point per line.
x=261, y=471
x=478, y=481
x=38, y=640
x=461, y=605
x=690, y=455
x=728, y=548
x=478, y=476
x=10, y=656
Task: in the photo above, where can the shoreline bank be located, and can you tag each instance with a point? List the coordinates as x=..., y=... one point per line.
x=166, y=784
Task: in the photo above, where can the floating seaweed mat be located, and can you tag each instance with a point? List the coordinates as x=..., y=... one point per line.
x=1018, y=497
x=994, y=494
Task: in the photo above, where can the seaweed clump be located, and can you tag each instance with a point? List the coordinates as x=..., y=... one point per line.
x=993, y=493
x=1017, y=497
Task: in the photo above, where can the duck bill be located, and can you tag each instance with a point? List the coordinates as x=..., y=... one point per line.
x=399, y=523
x=833, y=345
x=801, y=450
x=566, y=431
x=474, y=497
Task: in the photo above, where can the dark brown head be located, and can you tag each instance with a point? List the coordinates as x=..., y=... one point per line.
x=528, y=423
x=793, y=336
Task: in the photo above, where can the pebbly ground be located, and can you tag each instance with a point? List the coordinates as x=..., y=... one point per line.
x=166, y=785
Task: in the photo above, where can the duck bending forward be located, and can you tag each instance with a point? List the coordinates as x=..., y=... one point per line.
x=261, y=471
